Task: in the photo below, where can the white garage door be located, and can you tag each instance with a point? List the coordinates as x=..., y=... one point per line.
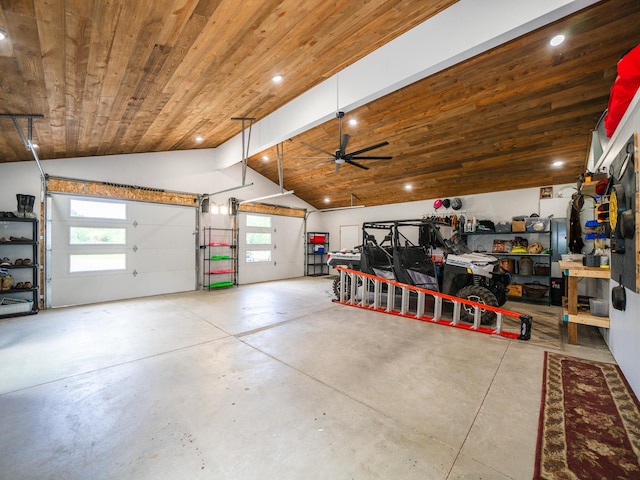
x=101, y=249
x=271, y=247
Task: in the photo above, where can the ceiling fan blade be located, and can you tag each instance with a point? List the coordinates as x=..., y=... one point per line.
x=369, y=158
x=344, y=143
x=319, y=149
x=372, y=147
x=356, y=164
x=328, y=160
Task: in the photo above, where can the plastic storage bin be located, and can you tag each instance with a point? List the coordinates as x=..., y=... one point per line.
x=9, y=306
x=599, y=307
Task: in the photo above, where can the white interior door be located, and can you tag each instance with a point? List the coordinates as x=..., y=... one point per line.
x=147, y=249
x=349, y=236
x=282, y=257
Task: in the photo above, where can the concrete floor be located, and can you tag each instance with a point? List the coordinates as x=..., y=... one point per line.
x=268, y=381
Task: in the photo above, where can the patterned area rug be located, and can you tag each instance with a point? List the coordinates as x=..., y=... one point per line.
x=589, y=422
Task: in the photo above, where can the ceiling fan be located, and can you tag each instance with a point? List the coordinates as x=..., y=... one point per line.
x=342, y=156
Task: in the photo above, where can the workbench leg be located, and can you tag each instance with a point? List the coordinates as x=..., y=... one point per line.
x=572, y=294
x=572, y=333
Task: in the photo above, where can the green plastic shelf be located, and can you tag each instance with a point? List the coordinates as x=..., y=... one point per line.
x=221, y=284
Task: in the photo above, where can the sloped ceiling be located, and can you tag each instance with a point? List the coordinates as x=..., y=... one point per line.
x=151, y=75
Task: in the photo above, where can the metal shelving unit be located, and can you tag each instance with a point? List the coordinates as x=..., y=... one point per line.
x=540, y=261
x=220, y=260
x=19, y=244
x=316, y=254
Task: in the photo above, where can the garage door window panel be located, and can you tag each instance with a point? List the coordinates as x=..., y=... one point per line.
x=97, y=263
x=260, y=221
x=258, y=237
x=97, y=209
x=97, y=236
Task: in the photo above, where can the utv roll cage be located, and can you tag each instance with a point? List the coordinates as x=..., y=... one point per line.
x=399, y=257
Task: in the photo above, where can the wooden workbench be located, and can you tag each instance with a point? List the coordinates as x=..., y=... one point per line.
x=575, y=271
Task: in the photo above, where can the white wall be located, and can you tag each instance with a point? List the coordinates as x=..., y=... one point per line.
x=189, y=171
x=497, y=207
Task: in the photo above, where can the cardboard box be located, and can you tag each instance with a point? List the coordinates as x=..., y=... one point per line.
x=514, y=290
x=519, y=226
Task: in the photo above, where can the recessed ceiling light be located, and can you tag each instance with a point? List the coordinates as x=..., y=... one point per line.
x=408, y=186
x=557, y=40
x=326, y=200
x=265, y=158
x=3, y=34
x=277, y=78
x=558, y=163
x=199, y=139
x=353, y=122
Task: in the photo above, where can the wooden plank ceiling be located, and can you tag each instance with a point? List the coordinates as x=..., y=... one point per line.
x=150, y=75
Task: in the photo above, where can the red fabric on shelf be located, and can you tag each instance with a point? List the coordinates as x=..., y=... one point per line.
x=623, y=89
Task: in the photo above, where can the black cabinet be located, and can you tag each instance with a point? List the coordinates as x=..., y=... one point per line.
x=18, y=266
x=316, y=258
x=530, y=269
x=220, y=260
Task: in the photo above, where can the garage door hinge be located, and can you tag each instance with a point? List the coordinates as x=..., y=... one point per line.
x=135, y=248
x=135, y=273
x=135, y=223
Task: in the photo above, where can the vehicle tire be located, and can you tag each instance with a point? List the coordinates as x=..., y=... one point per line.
x=336, y=287
x=479, y=295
